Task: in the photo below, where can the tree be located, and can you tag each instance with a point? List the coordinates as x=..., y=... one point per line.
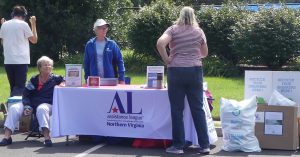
x=65, y=26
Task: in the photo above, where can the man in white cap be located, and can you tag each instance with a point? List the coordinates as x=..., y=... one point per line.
x=102, y=55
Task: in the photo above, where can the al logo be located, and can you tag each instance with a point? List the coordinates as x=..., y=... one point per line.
x=119, y=107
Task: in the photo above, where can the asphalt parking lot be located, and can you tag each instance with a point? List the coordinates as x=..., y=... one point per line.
x=34, y=147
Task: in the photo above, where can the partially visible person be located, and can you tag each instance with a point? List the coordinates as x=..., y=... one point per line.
x=37, y=99
x=102, y=56
x=15, y=35
x=187, y=43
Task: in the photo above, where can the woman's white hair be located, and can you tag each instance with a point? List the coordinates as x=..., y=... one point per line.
x=44, y=59
x=187, y=17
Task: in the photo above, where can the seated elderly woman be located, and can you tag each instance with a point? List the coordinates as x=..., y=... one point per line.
x=37, y=98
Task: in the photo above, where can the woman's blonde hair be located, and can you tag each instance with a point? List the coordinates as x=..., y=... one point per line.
x=44, y=59
x=187, y=17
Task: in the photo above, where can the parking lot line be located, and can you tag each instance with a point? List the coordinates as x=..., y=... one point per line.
x=90, y=150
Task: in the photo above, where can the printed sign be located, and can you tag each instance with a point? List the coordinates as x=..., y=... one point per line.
x=93, y=81
x=273, y=123
x=155, y=76
x=263, y=83
x=73, y=75
x=288, y=84
x=258, y=83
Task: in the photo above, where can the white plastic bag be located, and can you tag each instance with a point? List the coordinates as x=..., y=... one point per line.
x=278, y=99
x=238, y=122
x=211, y=130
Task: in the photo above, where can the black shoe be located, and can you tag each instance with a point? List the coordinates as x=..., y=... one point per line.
x=3, y=108
x=6, y=142
x=48, y=143
x=187, y=144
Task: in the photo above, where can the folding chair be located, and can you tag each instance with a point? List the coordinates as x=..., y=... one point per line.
x=34, y=128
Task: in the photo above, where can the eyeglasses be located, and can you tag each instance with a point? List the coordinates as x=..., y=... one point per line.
x=48, y=66
x=102, y=27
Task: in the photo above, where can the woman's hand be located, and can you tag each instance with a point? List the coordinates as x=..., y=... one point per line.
x=167, y=60
x=121, y=82
x=27, y=110
x=63, y=84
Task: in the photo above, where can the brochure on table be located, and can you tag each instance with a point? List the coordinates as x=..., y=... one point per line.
x=263, y=83
x=73, y=75
x=93, y=81
x=155, y=76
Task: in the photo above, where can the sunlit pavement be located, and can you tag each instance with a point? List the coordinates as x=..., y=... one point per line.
x=34, y=147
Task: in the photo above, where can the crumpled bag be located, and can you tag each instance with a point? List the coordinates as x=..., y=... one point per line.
x=238, y=125
x=278, y=99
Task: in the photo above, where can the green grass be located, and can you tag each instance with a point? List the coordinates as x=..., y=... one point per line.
x=231, y=88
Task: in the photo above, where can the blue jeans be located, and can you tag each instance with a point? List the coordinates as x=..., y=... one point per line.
x=187, y=81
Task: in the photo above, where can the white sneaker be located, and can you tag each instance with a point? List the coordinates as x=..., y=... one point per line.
x=194, y=146
x=174, y=150
x=204, y=151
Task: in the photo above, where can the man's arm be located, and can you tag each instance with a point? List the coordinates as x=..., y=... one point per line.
x=2, y=21
x=33, y=39
x=86, y=62
x=119, y=63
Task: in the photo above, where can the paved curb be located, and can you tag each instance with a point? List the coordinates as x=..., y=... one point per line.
x=2, y=118
x=219, y=131
x=218, y=127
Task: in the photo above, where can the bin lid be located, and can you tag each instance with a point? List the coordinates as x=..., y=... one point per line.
x=14, y=99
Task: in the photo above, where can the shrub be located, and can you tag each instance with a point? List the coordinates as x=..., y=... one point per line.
x=137, y=63
x=148, y=25
x=214, y=66
x=269, y=37
x=217, y=25
x=292, y=66
x=75, y=58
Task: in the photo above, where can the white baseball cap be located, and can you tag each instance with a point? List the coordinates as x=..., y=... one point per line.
x=100, y=22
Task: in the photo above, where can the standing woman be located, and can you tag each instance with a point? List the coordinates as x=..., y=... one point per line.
x=187, y=43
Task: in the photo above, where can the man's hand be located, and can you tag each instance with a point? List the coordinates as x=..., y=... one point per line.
x=32, y=20
x=2, y=20
x=33, y=39
x=121, y=82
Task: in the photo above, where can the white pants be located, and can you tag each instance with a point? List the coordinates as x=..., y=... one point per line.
x=15, y=112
